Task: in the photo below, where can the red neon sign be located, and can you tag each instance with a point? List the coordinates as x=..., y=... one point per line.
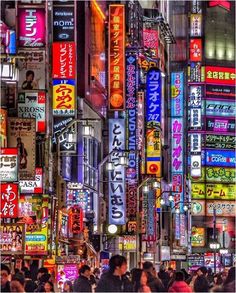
x=223, y=4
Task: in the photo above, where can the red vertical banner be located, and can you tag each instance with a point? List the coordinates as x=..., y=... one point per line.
x=9, y=200
x=116, y=57
x=195, y=50
x=76, y=220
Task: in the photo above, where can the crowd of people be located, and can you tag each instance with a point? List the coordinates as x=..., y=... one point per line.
x=117, y=279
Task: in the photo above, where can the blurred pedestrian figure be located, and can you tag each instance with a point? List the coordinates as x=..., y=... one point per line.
x=202, y=271
x=82, y=284
x=229, y=283
x=153, y=282
x=201, y=284
x=97, y=273
x=164, y=277
x=68, y=286
x=5, y=273
x=17, y=283
x=48, y=287
x=29, y=284
x=115, y=280
x=186, y=275
x=179, y=285
x=210, y=277
x=139, y=281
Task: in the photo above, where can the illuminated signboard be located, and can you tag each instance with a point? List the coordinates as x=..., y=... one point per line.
x=63, y=97
x=9, y=200
x=220, y=75
x=116, y=57
x=177, y=94
x=195, y=142
x=63, y=23
x=141, y=130
x=217, y=174
x=223, y=208
x=150, y=227
x=30, y=205
x=36, y=243
x=79, y=198
x=177, y=144
x=213, y=191
x=196, y=6
x=195, y=25
x=209, y=258
x=214, y=141
x=221, y=92
x=153, y=152
x=131, y=201
x=10, y=242
x=70, y=270
x=131, y=110
x=31, y=27
x=195, y=50
x=21, y=134
x=220, y=125
x=33, y=186
x=195, y=118
x=198, y=237
x=9, y=164
x=195, y=166
x=32, y=105
x=117, y=201
x=223, y=4
x=220, y=158
x=145, y=63
x=198, y=207
x=76, y=220
x=32, y=71
x=63, y=60
x=220, y=108
x=150, y=41
x=196, y=72
x=3, y=128
x=183, y=228
x=63, y=222
x=128, y=243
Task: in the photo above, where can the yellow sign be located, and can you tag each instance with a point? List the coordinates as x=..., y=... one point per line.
x=198, y=236
x=36, y=242
x=127, y=242
x=213, y=191
x=153, y=152
x=217, y=175
x=158, y=201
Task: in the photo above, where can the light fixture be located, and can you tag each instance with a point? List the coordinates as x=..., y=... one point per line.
x=88, y=130
x=110, y=166
x=112, y=229
x=171, y=198
x=145, y=189
x=177, y=211
x=6, y=71
x=162, y=201
x=163, y=74
x=214, y=245
x=156, y=184
x=71, y=137
x=123, y=161
x=224, y=251
x=185, y=208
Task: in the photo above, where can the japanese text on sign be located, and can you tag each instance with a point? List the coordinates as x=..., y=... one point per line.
x=177, y=94
x=220, y=75
x=9, y=200
x=177, y=144
x=8, y=164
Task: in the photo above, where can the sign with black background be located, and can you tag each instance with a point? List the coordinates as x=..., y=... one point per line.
x=63, y=23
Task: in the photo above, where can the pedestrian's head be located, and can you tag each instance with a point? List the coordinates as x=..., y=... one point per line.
x=17, y=283
x=202, y=271
x=170, y=271
x=139, y=279
x=209, y=271
x=148, y=266
x=185, y=274
x=118, y=265
x=68, y=286
x=85, y=271
x=231, y=276
x=29, y=75
x=48, y=287
x=41, y=272
x=179, y=276
x=5, y=272
x=45, y=278
x=96, y=272
x=201, y=284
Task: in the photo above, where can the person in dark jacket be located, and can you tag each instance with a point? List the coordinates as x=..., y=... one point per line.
x=179, y=285
x=5, y=284
x=115, y=279
x=82, y=284
x=164, y=277
x=153, y=282
x=201, y=284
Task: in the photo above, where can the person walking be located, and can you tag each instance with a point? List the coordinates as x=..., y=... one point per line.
x=68, y=287
x=179, y=285
x=201, y=284
x=115, y=280
x=5, y=283
x=153, y=281
x=82, y=284
x=139, y=281
x=17, y=283
x=229, y=283
x=164, y=277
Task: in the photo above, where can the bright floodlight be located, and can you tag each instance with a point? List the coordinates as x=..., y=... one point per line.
x=112, y=229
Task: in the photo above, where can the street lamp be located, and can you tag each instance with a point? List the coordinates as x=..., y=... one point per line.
x=112, y=229
x=123, y=160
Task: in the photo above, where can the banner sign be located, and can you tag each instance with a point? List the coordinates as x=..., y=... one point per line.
x=63, y=223
x=36, y=243
x=220, y=158
x=195, y=143
x=223, y=4
x=177, y=144
x=12, y=239
x=220, y=75
x=196, y=72
x=195, y=25
x=3, y=128
x=9, y=200
x=63, y=23
x=195, y=53
x=80, y=198
x=214, y=141
x=131, y=201
x=177, y=94
x=217, y=174
x=198, y=207
x=198, y=237
x=32, y=105
x=116, y=57
x=30, y=206
x=145, y=63
x=141, y=131
x=63, y=60
x=21, y=134
x=117, y=201
x=153, y=152
x=220, y=125
x=220, y=108
x=196, y=6
x=9, y=164
x=76, y=220
x=195, y=118
x=33, y=186
x=31, y=27
x=223, y=208
x=220, y=92
x=153, y=97
x=131, y=110
x=195, y=96
x=32, y=70
x=195, y=261
x=213, y=191
x=63, y=97
x=150, y=41
x=183, y=231
x=151, y=218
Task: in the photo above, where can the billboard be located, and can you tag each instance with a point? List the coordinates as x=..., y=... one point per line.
x=220, y=92
x=31, y=27
x=63, y=97
x=63, y=60
x=30, y=206
x=12, y=239
x=33, y=186
x=117, y=201
x=9, y=200
x=216, y=141
x=195, y=25
x=220, y=125
x=116, y=57
x=196, y=72
x=3, y=128
x=9, y=164
x=220, y=108
x=213, y=191
x=150, y=41
x=32, y=105
x=198, y=237
x=223, y=158
x=63, y=23
x=220, y=75
x=32, y=69
x=79, y=197
x=21, y=134
x=195, y=48
x=217, y=174
x=223, y=208
x=36, y=242
x=177, y=94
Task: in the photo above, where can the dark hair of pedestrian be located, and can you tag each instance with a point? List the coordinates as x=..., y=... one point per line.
x=28, y=274
x=116, y=261
x=179, y=276
x=203, y=270
x=147, y=265
x=5, y=268
x=231, y=276
x=43, y=271
x=69, y=283
x=83, y=269
x=45, y=278
x=185, y=274
x=136, y=276
x=19, y=277
x=201, y=284
x=96, y=271
x=51, y=284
